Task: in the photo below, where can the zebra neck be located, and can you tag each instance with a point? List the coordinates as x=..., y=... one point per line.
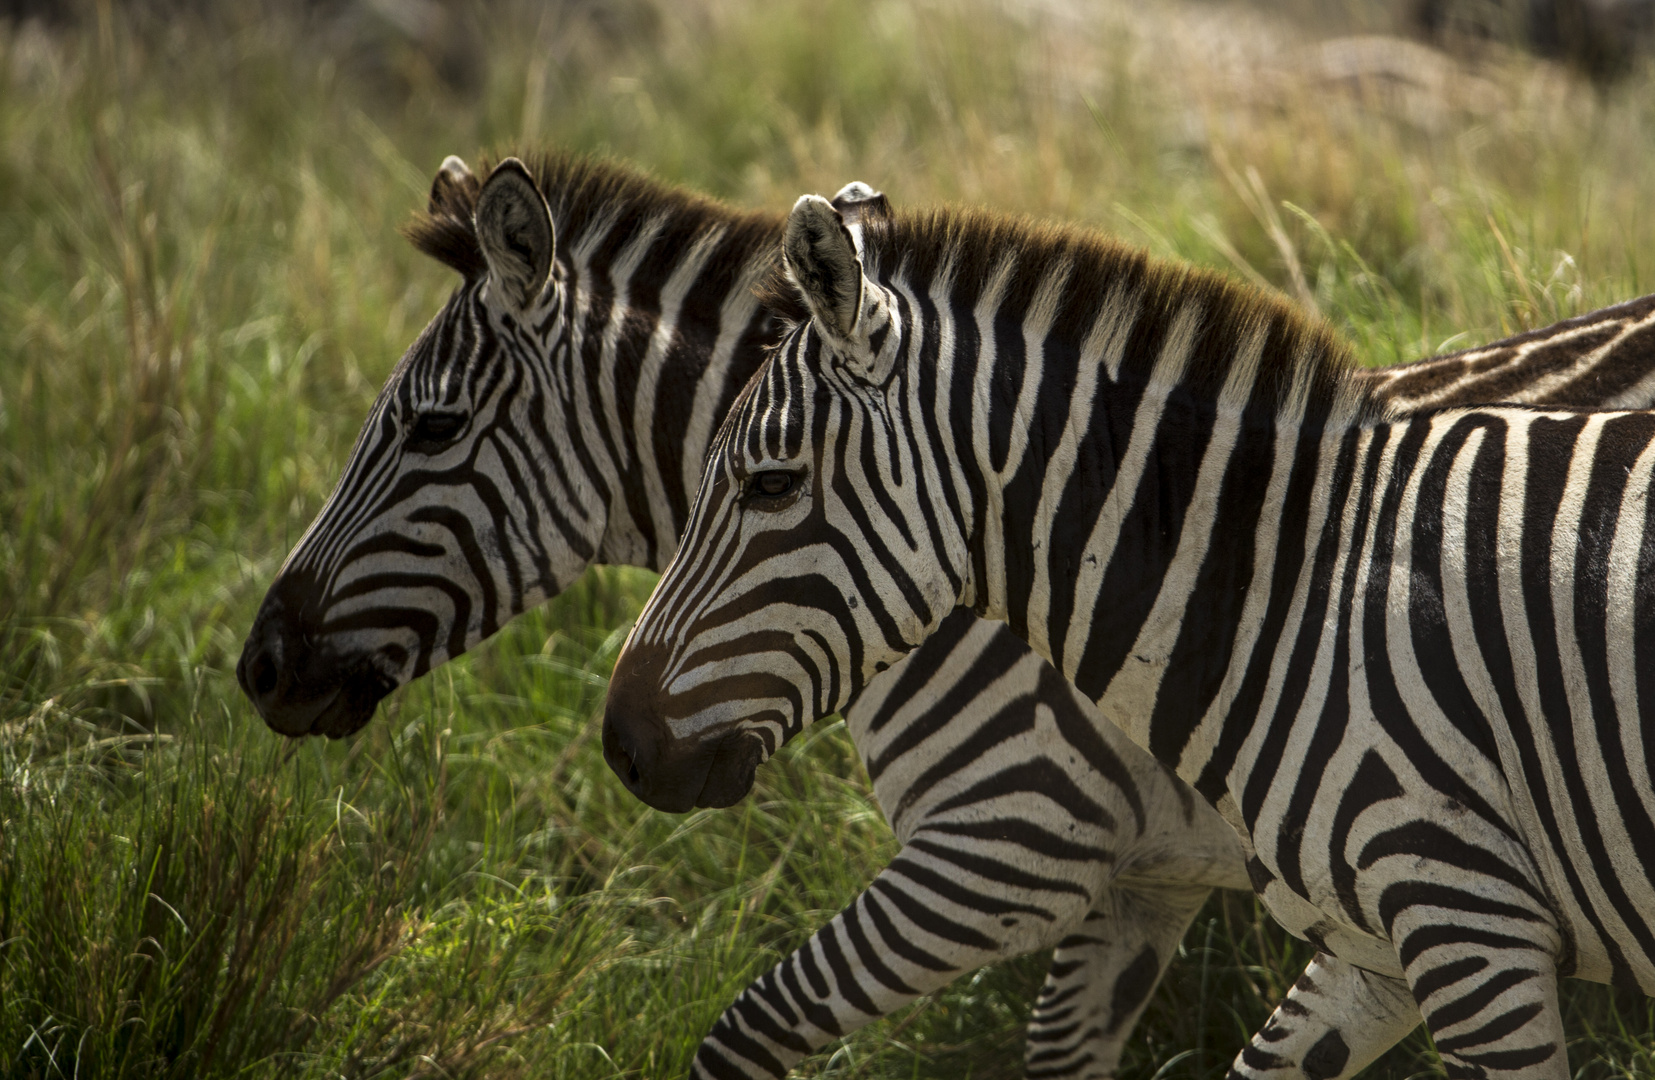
x=650, y=373
x=1149, y=548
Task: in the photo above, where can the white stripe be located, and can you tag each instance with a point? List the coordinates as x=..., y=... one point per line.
x=734, y=317
x=661, y=341
x=1102, y=350
x=1620, y=628
x=983, y=393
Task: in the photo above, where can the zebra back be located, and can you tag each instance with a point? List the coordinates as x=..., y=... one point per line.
x=1604, y=359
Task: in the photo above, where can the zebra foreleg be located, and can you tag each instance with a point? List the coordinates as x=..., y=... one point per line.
x=934, y=913
x=1334, y=1022
x=1101, y=978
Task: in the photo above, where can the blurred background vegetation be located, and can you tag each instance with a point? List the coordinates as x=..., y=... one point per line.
x=201, y=288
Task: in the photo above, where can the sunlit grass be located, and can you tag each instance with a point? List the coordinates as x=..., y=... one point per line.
x=201, y=288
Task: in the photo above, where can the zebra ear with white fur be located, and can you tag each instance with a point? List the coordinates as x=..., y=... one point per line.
x=453, y=182
x=824, y=264
x=514, y=227
x=859, y=204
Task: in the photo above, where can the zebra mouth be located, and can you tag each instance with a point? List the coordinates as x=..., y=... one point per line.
x=351, y=706
x=713, y=767
x=730, y=776
x=302, y=678
x=674, y=776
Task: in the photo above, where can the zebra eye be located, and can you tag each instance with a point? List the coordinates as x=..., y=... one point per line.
x=434, y=430
x=771, y=484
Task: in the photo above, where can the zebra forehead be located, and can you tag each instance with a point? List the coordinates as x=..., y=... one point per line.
x=766, y=422
x=427, y=370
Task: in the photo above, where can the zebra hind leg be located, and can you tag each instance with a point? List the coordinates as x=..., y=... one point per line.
x=1334, y=1022
x=1102, y=977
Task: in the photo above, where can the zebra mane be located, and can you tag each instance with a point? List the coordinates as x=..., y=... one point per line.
x=1303, y=367
x=586, y=194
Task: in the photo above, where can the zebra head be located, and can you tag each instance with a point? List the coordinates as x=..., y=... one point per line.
x=815, y=553
x=444, y=523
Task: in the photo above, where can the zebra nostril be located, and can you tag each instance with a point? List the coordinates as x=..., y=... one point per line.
x=263, y=674
x=620, y=761
x=625, y=767
x=619, y=756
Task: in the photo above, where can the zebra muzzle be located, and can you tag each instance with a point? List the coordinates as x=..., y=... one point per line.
x=300, y=689
x=638, y=751
x=715, y=772
x=671, y=774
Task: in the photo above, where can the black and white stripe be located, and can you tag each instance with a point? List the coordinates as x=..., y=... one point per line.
x=1405, y=657
x=1602, y=360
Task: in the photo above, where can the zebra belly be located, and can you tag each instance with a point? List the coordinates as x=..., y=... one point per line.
x=1348, y=824
x=1308, y=922
x=1303, y=918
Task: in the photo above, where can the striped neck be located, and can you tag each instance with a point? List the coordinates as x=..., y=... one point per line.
x=661, y=330
x=1084, y=385
x=1101, y=411
x=1102, y=562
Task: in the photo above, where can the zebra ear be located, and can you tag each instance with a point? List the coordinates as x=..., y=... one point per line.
x=455, y=185
x=824, y=264
x=514, y=227
x=859, y=204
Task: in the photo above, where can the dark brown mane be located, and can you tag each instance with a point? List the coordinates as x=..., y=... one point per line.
x=778, y=296
x=1303, y=358
x=584, y=193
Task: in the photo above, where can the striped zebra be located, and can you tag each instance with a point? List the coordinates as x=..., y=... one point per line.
x=555, y=413
x=1402, y=656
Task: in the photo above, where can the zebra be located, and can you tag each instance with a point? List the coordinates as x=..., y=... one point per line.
x=309, y=663
x=1401, y=655
x=448, y=234
x=555, y=413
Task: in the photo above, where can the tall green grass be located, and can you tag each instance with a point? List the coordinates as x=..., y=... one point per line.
x=201, y=288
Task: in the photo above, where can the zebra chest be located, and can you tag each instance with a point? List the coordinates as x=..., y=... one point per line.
x=976, y=736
